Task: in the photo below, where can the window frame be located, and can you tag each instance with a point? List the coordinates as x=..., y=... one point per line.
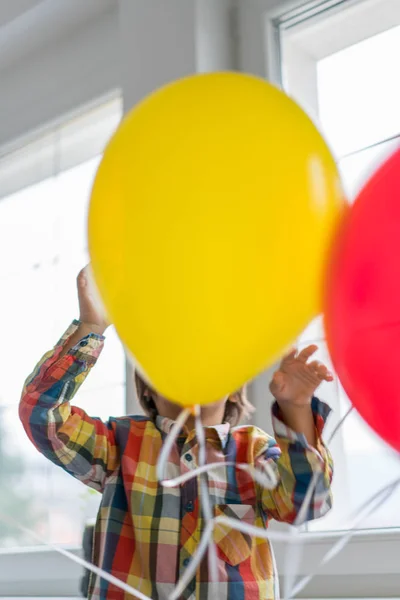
x=311, y=44
x=357, y=571
x=260, y=26
x=19, y=162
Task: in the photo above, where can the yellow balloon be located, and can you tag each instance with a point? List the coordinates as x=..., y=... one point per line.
x=210, y=219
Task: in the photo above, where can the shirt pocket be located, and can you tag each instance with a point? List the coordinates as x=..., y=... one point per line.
x=233, y=546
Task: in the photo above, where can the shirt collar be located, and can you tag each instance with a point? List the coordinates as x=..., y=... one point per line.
x=215, y=432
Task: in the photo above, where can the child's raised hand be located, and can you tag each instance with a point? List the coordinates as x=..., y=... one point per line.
x=297, y=379
x=91, y=313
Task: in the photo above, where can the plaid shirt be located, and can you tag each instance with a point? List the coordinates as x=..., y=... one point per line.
x=145, y=533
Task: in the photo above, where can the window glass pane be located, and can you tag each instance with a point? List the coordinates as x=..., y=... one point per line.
x=43, y=245
x=370, y=465
x=74, y=188
x=27, y=228
x=111, y=365
x=364, y=463
x=27, y=303
x=67, y=269
x=109, y=371
x=75, y=504
x=104, y=402
x=24, y=483
x=357, y=168
x=356, y=97
x=329, y=393
x=38, y=494
x=314, y=333
x=364, y=111
x=359, y=94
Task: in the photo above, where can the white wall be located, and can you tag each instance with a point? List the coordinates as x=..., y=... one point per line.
x=59, y=77
x=158, y=44
x=53, y=65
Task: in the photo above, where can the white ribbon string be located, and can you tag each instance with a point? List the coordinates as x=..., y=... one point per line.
x=294, y=549
x=340, y=424
x=236, y=524
x=267, y=479
x=194, y=563
x=295, y=546
x=363, y=512
x=169, y=443
x=206, y=507
x=77, y=559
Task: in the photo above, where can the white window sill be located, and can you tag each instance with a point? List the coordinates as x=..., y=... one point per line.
x=367, y=567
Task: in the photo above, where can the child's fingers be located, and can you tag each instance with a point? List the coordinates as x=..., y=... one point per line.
x=314, y=367
x=324, y=373
x=307, y=353
x=290, y=354
x=321, y=371
x=82, y=278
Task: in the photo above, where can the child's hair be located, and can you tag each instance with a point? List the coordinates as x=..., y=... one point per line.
x=235, y=411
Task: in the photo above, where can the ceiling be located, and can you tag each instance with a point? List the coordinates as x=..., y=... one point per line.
x=28, y=25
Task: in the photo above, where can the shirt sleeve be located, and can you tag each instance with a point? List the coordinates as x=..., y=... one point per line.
x=297, y=465
x=83, y=446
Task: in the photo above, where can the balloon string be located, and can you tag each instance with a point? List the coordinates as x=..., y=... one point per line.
x=294, y=549
x=194, y=563
x=76, y=559
x=293, y=552
x=267, y=479
x=292, y=537
x=205, y=495
x=231, y=523
x=168, y=444
x=369, y=506
x=340, y=424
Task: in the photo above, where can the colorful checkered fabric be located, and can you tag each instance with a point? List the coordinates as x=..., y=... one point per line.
x=146, y=533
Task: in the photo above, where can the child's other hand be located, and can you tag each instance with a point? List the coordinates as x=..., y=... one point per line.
x=91, y=313
x=297, y=379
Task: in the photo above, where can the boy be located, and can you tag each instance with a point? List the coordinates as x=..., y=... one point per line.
x=146, y=533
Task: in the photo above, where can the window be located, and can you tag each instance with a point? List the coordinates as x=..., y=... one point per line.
x=44, y=190
x=341, y=66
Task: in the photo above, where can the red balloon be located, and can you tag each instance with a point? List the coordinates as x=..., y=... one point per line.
x=362, y=303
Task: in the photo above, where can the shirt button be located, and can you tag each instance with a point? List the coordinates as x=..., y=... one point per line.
x=189, y=457
x=186, y=562
x=189, y=507
x=83, y=343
